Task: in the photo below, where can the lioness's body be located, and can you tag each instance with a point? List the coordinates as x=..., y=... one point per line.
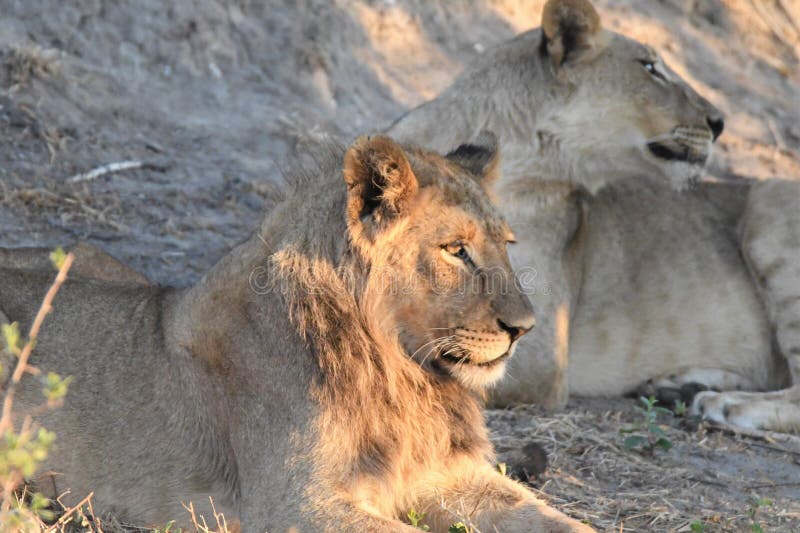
x=692, y=289
x=290, y=384
x=654, y=303
x=647, y=303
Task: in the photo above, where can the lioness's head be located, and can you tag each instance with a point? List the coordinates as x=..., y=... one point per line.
x=435, y=248
x=574, y=101
x=628, y=101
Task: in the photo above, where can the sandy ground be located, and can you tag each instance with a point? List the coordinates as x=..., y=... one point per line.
x=213, y=95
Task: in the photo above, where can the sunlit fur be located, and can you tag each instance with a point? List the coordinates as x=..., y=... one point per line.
x=282, y=384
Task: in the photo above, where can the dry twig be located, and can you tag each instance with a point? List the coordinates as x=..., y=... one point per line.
x=64, y=518
x=22, y=361
x=112, y=168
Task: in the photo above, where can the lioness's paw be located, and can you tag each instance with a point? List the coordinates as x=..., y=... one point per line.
x=731, y=408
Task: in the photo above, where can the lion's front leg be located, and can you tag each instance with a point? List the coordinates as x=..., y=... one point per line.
x=490, y=501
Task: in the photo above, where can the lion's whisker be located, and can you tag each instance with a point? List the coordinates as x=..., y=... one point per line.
x=438, y=339
x=437, y=346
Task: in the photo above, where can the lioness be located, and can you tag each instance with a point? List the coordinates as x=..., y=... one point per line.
x=573, y=101
x=639, y=287
x=325, y=374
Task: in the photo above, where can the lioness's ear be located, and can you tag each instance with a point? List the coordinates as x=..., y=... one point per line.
x=481, y=157
x=570, y=30
x=380, y=183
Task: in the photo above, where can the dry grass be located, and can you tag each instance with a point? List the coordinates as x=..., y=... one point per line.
x=709, y=476
x=198, y=524
x=21, y=64
x=71, y=205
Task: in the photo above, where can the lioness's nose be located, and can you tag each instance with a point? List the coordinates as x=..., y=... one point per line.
x=717, y=124
x=518, y=330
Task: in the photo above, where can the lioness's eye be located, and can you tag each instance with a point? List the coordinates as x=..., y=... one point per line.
x=650, y=66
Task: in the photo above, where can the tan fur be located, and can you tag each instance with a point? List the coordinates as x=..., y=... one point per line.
x=666, y=291
x=292, y=383
x=578, y=105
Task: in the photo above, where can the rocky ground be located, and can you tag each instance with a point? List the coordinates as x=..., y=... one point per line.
x=212, y=96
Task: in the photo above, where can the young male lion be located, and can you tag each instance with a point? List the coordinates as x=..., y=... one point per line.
x=324, y=375
x=639, y=287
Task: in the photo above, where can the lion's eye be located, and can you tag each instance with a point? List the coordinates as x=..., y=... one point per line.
x=457, y=249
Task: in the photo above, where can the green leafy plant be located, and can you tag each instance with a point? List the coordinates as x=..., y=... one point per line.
x=647, y=434
x=168, y=528
x=459, y=527
x=502, y=468
x=58, y=257
x=680, y=408
x=417, y=520
x=756, y=503
x=55, y=387
x=697, y=527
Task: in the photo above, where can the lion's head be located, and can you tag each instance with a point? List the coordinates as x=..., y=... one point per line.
x=435, y=250
x=572, y=100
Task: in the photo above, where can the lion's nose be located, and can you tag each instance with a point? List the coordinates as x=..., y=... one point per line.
x=717, y=124
x=517, y=331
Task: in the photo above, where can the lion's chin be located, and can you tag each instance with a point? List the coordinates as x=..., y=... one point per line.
x=476, y=376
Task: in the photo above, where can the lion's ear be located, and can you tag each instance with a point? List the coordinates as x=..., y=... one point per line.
x=481, y=157
x=570, y=30
x=380, y=183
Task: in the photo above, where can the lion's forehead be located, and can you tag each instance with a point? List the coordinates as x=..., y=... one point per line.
x=498, y=230
x=445, y=221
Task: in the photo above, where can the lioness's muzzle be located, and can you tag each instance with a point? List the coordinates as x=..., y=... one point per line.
x=691, y=144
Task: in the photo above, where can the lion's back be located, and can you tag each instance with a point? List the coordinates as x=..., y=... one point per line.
x=109, y=340
x=85, y=312
x=94, y=333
